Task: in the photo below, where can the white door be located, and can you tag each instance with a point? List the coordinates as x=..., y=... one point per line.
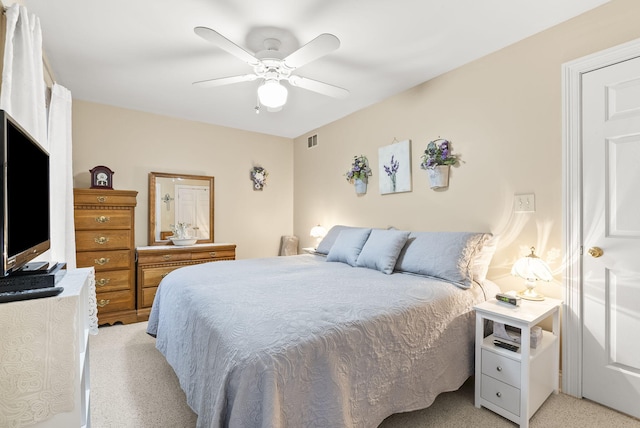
x=611, y=222
x=192, y=207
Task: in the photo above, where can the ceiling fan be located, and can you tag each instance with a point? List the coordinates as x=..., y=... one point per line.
x=272, y=67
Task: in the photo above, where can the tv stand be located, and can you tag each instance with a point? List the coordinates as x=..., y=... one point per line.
x=54, y=333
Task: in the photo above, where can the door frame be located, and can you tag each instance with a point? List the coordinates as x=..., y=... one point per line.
x=572, y=322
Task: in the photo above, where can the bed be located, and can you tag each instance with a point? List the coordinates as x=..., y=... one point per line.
x=377, y=322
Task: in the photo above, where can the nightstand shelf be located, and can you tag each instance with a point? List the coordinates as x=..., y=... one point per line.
x=514, y=384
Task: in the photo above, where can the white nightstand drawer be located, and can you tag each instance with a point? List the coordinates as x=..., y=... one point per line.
x=501, y=368
x=501, y=394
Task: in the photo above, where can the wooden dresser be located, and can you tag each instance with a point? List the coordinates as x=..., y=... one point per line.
x=155, y=262
x=105, y=240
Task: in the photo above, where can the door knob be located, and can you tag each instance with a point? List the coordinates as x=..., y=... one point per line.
x=595, y=252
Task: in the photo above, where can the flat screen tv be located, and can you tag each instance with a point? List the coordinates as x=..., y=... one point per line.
x=24, y=196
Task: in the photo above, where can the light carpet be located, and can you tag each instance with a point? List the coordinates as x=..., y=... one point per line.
x=133, y=386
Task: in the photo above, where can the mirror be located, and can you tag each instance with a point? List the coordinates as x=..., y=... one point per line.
x=180, y=198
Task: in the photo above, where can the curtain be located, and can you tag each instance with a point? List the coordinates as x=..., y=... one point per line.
x=23, y=96
x=63, y=244
x=22, y=93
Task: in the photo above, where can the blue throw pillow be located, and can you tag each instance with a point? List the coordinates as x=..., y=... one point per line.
x=445, y=255
x=382, y=249
x=348, y=245
x=330, y=238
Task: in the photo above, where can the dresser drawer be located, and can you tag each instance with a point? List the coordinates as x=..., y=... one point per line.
x=113, y=280
x=162, y=257
x=115, y=301
x=97, y=240
x=148, y=294
x=151, y=277
x=214, y=255
x=91, y=197
x=501, y=368
x=105, y=260
x=93, y=219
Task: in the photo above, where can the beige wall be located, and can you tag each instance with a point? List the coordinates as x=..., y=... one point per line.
x=502, y=114
x=133, y=144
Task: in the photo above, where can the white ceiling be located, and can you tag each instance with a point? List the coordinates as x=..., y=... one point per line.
x=144, y=55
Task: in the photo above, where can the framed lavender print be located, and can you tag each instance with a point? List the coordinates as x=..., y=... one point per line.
x=394, y=171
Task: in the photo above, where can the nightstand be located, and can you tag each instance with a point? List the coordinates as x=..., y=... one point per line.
x=515, y=384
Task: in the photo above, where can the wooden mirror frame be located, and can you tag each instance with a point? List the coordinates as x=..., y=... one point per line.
x=153, y=183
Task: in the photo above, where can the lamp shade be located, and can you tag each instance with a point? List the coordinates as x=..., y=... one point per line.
x=318, y=232
x=531, y=268
x=272, y=94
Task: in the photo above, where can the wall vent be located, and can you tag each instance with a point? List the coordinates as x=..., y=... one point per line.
x=312, y=141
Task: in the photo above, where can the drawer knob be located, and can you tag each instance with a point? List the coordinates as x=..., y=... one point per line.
x=212, y=253
x=166, y=257
x=499, y=368
x=102, y=219
x=101, y=261
x=101, y=199
x=102, y=282
x=498, y=394
x=103, y=302
x=101, y=240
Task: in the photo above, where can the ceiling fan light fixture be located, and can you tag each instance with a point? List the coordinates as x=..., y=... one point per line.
x=272, y=94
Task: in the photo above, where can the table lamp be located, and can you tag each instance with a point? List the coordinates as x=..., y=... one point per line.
x=317, y=232
x=531, y=268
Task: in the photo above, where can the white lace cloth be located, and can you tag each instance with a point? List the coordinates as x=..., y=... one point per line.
x=39, y=351
x=92, y=303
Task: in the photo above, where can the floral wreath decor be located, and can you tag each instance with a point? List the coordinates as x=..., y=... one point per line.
x=259, y=177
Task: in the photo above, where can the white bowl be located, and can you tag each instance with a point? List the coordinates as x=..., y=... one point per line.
x=184, y=241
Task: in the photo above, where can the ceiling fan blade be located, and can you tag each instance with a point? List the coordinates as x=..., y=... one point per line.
x=223, y=43
x=320, y=46
x=211, y=83
x=319, y=87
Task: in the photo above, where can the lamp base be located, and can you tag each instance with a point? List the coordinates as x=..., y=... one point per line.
x=530, y=294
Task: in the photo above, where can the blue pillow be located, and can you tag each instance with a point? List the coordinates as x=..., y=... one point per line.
x=348, y=245
x=330, y=238
x=445, y=255
x=382, y=249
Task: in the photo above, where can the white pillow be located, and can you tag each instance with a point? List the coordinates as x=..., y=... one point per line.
x=382, y=249
x=483, y=258
x=348, y=245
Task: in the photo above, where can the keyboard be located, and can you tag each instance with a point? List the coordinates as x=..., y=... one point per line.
x=33, y=293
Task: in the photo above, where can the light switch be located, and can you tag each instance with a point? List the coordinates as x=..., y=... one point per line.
x=525, y=203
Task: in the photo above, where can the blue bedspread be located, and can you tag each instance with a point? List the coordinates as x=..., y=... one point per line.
x=300, y=342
